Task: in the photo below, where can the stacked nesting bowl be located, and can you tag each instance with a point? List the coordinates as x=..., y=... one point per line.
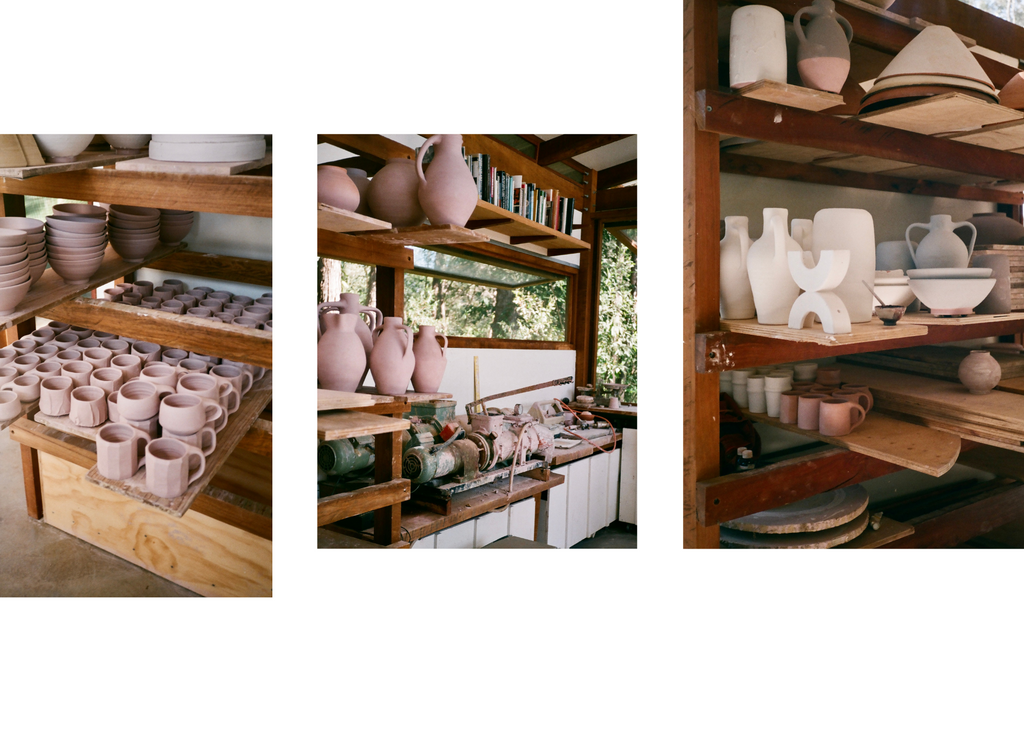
x=75, y=246
x=34, y=239
x=134, y=231
x=174, y=225
x=15, y=278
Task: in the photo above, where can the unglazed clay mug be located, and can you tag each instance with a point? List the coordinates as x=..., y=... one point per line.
x=140, y=400
x=209, y=387
x=46, y=370
x=26, y=363
x=161, y=373
x=88, y=406
x=10, y=405
x=189, y=300
x=7, y=355
x=186, y=414
x=854, y=397
x=169, y=467
x=26, y=387
x=120, y=451
x=808, y=410
x=25, y=345
x=84, y=344
x=194, y=365
x=8, y=374
x=117, y=347
x=177, y=285
x=128, y=364
x=147, y=351
x=65, y=340
x=204, y=440
x=173, y=356
x=109, y=379
x=77, y=371
x=164, y=293
x=173, y=306
x=839, y=417
x=99, y=357
x=214, y=306
x=55, y=396
x=112, y=414
x=856, y=387
x=789, y=402
x=238, y=378
x=42, y=336
x=144, y=287
x=46, y=352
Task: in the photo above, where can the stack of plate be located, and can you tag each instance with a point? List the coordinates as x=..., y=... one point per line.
x=134, y=231
x=75, y=246
x=822, y=521
x=935, y=62
x=174, y=225
x=15, y=278
x=34, y=238
x=952, y=290
x=208, y=148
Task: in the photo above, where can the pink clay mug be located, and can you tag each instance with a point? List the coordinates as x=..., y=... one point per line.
x=120, y=451
x=839, y=417
x=169, y=467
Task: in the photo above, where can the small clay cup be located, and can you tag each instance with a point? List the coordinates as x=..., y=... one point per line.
x=84, y=344
x=189, y=300
x=58, y=327
x=128, y=364
x=829, y=376
x=789, y=402
x=173, y=356
x=23, y=346
x=140, y=400
x=88, y=406
x=78, y=371
x=839, y=417
x=8, y=374
x=854, y=397
x=148, y=352
x=173, y=306
x=46, y=369
x=65, y=340
x=144, y=287
x=109, y=379
x=42, y=335
x=55, y=396
x=7, y=355
x=26, y=363
x=47, y=352
x=10, y=405
x=808, y=410
x=117, y=347
x=215, y=306
x=99, y=357
x=161, y=373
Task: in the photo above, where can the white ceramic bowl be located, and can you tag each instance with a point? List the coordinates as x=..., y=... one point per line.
x=127, y=143
x=952, y=297
x=62, y=148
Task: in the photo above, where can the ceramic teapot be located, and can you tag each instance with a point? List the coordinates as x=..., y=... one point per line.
x=941, y=248
x=773, y=287
x=447, y=191
x=823, y=56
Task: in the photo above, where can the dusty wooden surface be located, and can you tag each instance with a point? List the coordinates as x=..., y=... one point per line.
x=809, y=540
x=817, y=513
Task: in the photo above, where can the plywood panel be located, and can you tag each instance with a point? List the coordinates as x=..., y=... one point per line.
x=790, y=95
x=344, y=222
x=952, y=112
x=1007, y=136
x=342, y=424
x=81, y=162
x=862, y=332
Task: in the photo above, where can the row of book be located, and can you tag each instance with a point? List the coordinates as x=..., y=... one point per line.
x=545, y=206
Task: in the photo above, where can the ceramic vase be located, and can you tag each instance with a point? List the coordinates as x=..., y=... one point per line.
x=1000, y=299
x=773, y=287
x=363, y=185
x=392, y=361
x=893, y=255
x=349, y=303
x=941, y=248
x=392, y=194
x=993, y=228
x=823, y=54
x=447, y=191
x=757, y=46
x=340, y=356
x=980, y=372
x=431, y=360
x=335, y=188
x=735, y=298
x=852, y=229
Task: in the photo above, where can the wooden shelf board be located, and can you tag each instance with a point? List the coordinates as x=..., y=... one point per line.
x=791, y=95
x=1004, y=136
x=326, y=399
x=82, y=162
x=514, y=225
x=370, y=498
x=941, y=362
x=64, y=424
x=862, y=332
x=200, y=335
x=930, y=320
x=889, y=531
x=220, y=267
x=409, y=396
x=941, y=175
x=50, y=290
x=342, y=424
x=953, y=112
x=238, y=425
x=332, y=540
x=426, y=235
x=862, y=164
x=148, y=165
x=357, y=248
x=917, y=448
x=780, y=151
x=330, y=218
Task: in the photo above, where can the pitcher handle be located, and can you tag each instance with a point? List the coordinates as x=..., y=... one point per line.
x=797, y=28
x=378, y=318
x=444, y=348
x=910, y=246
x=860, y=410
x=423, y=151
x=974, y=236
x=408, y=339
x=779, y=229
x=846, y=27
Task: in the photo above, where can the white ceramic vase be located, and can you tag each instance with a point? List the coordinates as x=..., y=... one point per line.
x=757, y=46
x=735, y=298
x=941, y=247
x=852, y=229
x=773, y=286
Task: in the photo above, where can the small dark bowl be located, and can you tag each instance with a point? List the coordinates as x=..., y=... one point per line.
x=890, y=314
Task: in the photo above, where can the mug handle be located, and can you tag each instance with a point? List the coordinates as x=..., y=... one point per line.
x=218, y=411
x=864, y=400
x=142, y=440
x=863, y=414
x=246, y=386
x=162, y=390
x=195, y=451
x=213, y=439
x=231, y=392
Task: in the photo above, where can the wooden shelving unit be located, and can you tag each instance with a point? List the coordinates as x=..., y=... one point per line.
x=947, y=147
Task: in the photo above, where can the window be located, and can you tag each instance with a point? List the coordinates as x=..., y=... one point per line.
x=617, y=315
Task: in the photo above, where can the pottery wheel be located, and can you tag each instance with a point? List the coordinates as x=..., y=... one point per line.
x=808, y=540
x=817, y=513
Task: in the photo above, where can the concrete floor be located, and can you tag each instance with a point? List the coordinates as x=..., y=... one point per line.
x=616, y=536
x=40, y=561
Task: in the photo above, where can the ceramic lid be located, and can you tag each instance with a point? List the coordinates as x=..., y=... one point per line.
x=937, y=50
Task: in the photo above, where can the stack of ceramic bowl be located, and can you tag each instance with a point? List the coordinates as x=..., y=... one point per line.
x=935, y=62
x=34, y=238
x=134, y=231
x=15, y=278
x=174, y=225
x=62, y=148
x=952, y=290
x=208, y=148
x=892, y=287
x=75, y=246
x=80, y=209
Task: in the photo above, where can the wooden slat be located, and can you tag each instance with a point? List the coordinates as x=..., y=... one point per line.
x=953, y=112
x=889, y=531
x=233, y=515
x=616, y=175
x=163, y=167
x=332, y=540
x=963, y=322
x=616, y=199
x=201, y=335
x=466, y=342
x=790, y=95
x=41, y=438
x=564, y=147
x=373, y=147
x=1006, y=136
x=246, y=475
x=258, y=439
x=241, y=195
x=361, y=500
x=342, y=424
x=326, y=399
x=350, y=248
x=955, y=524
x=862, y=332
x=33, y=489
x=82, y=162
x=220, y=267
x=330, y=218
x=426, y=235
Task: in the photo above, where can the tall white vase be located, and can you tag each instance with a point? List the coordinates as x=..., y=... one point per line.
x=757, y=46
x=735, y=298
x=852, y=229
x=773, y=286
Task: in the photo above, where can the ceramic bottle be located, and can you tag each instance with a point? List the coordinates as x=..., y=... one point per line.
x=392, y=360
x=852, y=229
x=757, y=46
x=447, y=191
x=980, y=372
x=340, y=356
x=349, y=303
x=941, y=248
x=431, y=360
x=392, y=194
x=823, y=54
x=335, y=188
x=735, y=298
x=363, y=185
x=773, y=287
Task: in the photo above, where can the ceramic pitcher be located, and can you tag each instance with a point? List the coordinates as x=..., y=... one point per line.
x=941, y=248
x=772, y=285
x=447, y=192
x=735, y=299
x=392, y=193
x=823, y=56
x=431, y=360
x=340, y=356
x=349, y=303
x=392, y=360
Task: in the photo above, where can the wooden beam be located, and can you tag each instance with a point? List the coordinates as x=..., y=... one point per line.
x=377, y=148
x=615, y=199
x=352, y=248
x=564, y=147
x=361, y=500
x=616, y=175
x=536, y=141
x=466, y=342
x=219, y=267
x=391, y=291
x=229, y=513
x=782, y=170
x=623, y=239
x=514, y=162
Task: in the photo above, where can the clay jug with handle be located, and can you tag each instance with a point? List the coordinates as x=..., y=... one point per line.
x=340, y=356
x=392, y=360
x=773, y=287
x=941, y=248
x=735, y=300
x=349, y=303
x=447, y=191
x=431, y=360
x=823, y=56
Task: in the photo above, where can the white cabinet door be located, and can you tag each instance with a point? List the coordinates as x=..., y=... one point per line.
x=490, y=527
x=579, y=489
x=459, y=536
x=627, y=484
x=597, y=511
x=612, y=507
x=521, y=519
x=427, y=542
x=551, y=529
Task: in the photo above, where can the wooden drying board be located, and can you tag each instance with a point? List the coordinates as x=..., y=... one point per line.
x=1005, y=136
x=817, y=513
x=82, y=162
x=238, y=425
x=64, y=424
x=940, y=322
x=148, y=165
x=878, y=436
x=345, y=423
x=889, y=531
x=344, y=222
x=51, y=290
x=327, y=399
x=953, y=112
x=1012, y=385
x=862, y=332
x=809, y=540
x=791, y=95
x=426, y=235
x=409, y=396
x=939, y=361
x=495, y=218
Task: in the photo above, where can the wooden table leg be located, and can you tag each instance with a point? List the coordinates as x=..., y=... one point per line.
x=33, y=486
x=536, y=513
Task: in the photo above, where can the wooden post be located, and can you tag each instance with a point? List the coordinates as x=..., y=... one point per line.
x=387, y=521
x=701, y=183
x=33, y=486
x=584, y=313
x=391, y=291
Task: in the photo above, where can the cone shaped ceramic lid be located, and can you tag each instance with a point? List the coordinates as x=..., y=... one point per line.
x=1012, y=94
x=936, y=51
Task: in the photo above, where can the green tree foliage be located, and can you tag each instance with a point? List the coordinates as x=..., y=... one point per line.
x=617, y=319
x=1011, y=10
